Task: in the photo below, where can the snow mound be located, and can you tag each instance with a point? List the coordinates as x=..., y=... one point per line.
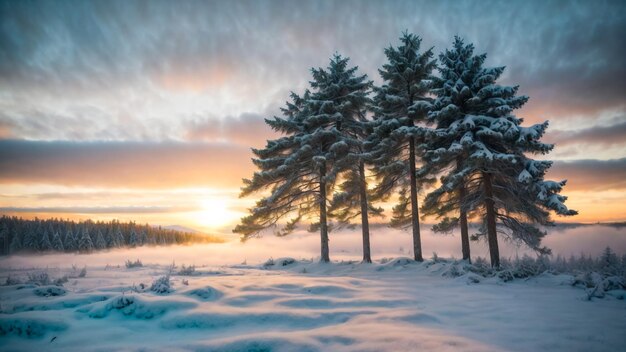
x=204, y=293
x=29, y=326
x=260, y=345
x=135, y=306
x=260, y=321
x=49, y=291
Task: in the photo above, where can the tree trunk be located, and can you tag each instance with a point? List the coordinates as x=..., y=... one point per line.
x=465, y=245
x=492, y=236
x=417, y=242
x=325, y=256
x=367, y=257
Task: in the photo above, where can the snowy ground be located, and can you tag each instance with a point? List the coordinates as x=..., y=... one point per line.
x=305, y=306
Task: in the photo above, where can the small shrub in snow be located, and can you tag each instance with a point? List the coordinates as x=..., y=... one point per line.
x=136, y=264
x=161, y=285
x=12, y=281
x=138, y=288
x=49, y=291
x=40, y=278
x=185, y=282
x=285, y=261
x=60, y=281
x=187, y=270
x=83, y=272
x=269, y=262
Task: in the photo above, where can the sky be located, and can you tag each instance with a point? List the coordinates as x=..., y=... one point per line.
x=146, y=110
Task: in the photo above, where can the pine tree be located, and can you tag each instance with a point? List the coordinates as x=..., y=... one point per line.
x=133, y=239
x=340, y=98
x=109, y=237
x=45, y=244
x=144, y=237
x=85, y=244
x=70, y=242
x=16, y=242
x=401, y=105
x=5, y=239
x=30, y=240
x=476, y=129
x=100, y=243
x=120, y=241
x=299, y=169
x=57, y=244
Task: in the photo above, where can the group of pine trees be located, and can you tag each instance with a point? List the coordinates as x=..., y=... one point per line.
x=19, y=235
x=348, y=144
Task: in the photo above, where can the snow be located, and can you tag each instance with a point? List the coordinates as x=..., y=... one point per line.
x=301, y=305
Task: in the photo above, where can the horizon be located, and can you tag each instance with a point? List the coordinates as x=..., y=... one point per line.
x=109, y=114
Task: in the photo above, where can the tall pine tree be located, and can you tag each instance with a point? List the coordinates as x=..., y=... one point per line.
x=340, y=98
x=301, y=168
x=401, y=105
x=502, y=185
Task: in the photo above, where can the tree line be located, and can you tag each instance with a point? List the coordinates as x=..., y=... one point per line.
x=19, y=235
x=348, y=145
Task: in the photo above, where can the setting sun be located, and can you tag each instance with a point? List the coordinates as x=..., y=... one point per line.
x=215, y=213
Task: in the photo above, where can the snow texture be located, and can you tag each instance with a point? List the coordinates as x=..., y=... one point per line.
x=302, y=305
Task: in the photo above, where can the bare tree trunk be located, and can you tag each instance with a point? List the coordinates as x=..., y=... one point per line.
x=417, y=242
x=492, y=236
x=325, y=256
x=367, y=256
x=465, y=244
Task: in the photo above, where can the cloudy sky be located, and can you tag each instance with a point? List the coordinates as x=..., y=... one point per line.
x=147, y=110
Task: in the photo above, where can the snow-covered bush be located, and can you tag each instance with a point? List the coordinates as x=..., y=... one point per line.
x=40, y=278
x=161, y=285
x=49, y=291
x=136, y=264
x=187, y=270
x=12, y=281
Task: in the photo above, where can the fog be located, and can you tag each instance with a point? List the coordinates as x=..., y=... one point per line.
x=344, y=245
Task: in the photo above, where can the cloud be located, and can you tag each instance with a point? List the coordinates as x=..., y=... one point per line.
x=597, y=135
x=590, y=175
x=147, y=70
x=124, y=164
x=95, y=210
x=247, y=129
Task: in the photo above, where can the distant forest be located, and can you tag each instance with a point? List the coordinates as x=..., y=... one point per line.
x=55, y=235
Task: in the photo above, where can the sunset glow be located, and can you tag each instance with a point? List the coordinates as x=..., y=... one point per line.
x=121, y=116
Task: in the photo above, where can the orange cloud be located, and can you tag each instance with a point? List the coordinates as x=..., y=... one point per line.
x=124, y=164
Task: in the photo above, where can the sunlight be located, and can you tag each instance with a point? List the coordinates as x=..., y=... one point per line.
x=215, y=213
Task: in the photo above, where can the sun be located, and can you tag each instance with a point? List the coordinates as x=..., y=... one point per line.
x=215, y=213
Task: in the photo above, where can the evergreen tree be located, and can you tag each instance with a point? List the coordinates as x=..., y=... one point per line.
x=30, y=240
x=57, y=244
x=100, y=243
x=5, y=239
x=476, y=129
x=133, y=239
x=401, y=105
x=298, y=169
x=45, y=244
x=69, y=242
x=85, y=244
x=120, y=241
x=144, y=237
x=340, y=99
x=109, y=238
x=16, y=242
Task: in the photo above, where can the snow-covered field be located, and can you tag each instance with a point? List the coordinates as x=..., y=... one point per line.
x=303, y=306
